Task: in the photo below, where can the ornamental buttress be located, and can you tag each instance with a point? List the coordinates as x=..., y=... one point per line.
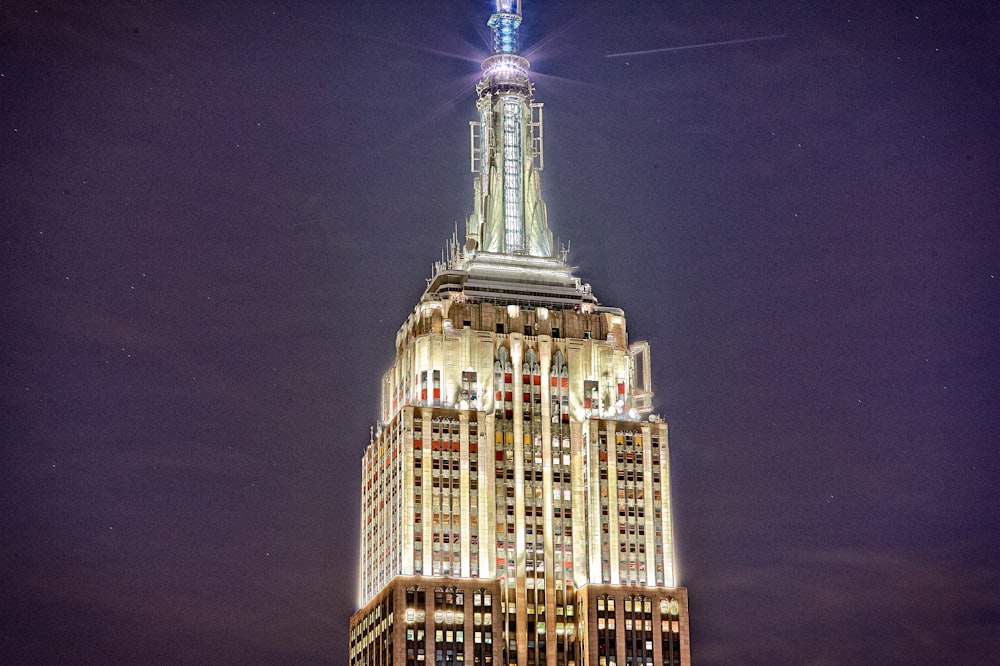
x=515, y=497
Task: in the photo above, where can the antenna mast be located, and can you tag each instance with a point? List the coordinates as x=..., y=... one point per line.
x=505, y=23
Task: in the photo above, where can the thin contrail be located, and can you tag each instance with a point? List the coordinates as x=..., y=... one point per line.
x=694, y=46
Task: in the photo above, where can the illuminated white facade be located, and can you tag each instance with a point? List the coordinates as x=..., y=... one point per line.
x=516, y=498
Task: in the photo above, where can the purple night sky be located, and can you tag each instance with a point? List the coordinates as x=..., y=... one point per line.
x=215, y=217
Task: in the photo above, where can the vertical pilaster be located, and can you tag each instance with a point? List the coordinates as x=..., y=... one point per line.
x=463, y=428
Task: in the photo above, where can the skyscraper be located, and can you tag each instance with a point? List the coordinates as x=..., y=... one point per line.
x=515, y=502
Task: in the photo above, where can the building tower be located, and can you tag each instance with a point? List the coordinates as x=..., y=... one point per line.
x=515, y=502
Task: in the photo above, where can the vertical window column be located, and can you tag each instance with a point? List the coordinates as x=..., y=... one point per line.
x=513, y=156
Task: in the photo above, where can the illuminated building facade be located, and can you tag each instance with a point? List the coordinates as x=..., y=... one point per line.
x=516, y=498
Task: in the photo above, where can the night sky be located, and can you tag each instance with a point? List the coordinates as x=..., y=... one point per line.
x=215, y=217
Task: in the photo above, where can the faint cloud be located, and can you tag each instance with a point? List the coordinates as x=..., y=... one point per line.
x=855, y=605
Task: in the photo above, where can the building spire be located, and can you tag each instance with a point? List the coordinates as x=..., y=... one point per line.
x=508, y=215
x=505, y=22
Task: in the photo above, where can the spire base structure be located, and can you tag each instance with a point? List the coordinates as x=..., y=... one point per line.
x=505, y=74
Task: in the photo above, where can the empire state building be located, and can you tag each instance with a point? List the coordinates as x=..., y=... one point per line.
x=515, y=499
